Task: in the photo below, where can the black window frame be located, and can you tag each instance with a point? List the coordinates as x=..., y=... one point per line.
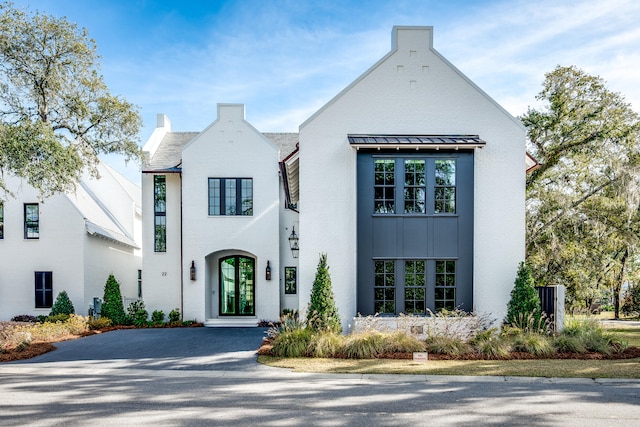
x=445, y=285
x=31, y=226
x=159, y=213
x=1, y=220
x=238, y=203
x=43, y=281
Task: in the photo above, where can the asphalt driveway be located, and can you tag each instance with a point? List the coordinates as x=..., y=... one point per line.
x=223, y=349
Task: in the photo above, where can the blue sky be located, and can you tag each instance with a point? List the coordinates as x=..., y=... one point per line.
x=284, y=59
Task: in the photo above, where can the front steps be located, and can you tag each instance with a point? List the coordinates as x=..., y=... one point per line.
x=232, y=322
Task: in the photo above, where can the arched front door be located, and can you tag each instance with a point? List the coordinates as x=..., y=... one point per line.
x=237, y=286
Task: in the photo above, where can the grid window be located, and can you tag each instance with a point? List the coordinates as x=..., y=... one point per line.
x=415, y=282
x=139, y=283
x=231, y=196
x=445, y=188
x=160, y=212
x=1, y=221
x=384, y=186
x=414, y=186
x=384, y=287
x=31, y=221
x=445, y=291
x=44, y=289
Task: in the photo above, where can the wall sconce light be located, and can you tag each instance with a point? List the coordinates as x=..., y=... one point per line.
x=192, y=270
x=268, y=271
x=293, y=242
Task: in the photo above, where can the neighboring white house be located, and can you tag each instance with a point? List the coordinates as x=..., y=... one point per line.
x=69, y=242
x=410, y=180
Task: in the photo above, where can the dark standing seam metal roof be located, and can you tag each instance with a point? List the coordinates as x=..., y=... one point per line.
x=413, y=141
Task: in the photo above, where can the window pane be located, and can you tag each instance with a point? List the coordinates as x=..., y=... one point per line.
x=414, y=190
x=247, y=197
x=160, y=193
x=445, y=291
x=214, y=196
x=384, y=287
x=445, y=190
x=43, y=289
x=31, y=221
x=1, y=221
x=384, y=186
x=230, y=196
x=160, y=233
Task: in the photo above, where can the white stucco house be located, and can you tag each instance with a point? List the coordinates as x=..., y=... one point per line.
x=69, y=242
x=411, y=180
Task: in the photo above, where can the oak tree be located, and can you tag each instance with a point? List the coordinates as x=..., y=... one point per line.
x=57, y=115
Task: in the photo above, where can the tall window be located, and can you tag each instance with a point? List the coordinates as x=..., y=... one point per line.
x=44, y=289
x=231, y=196
x=415, y=284
x=139, y=283
x=31, y=221
x=385, y=287
x=160, y=212
x=1, y=221
x=445, y=297
x=384, y=186
x=445, y=188
x=414, y=186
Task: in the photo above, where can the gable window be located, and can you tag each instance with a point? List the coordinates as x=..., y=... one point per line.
x=445, y=188
x=44, y=289
x=1, y=221
x=31, y=221
x=160, y=213
x=230, y=196
x=384, y=186
x=445, y=297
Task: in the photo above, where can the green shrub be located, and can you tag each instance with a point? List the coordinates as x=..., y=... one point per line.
x=100, y=323
x=325, y=344
x=157, y=317
x=138, y=313
x=400, y=342
x=450, y=345
x=25, y=318
x=322, y=314
x=112, y=306
x=292, y=343
x=364, y=345
x=524, y=297
x=532, y=322
x=174, y=315
x=62, y=305
x=57, y=318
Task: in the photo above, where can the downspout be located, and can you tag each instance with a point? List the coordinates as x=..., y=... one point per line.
x=181, y=255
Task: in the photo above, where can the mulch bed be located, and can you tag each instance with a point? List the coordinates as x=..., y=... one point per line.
x=630, y=353
x=32, y=350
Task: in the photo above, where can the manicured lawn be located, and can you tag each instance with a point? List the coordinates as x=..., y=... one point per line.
x=629, y=368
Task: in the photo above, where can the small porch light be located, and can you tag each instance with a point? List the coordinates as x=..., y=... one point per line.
x=268, y=271
x=293, y=242
x=192, y=270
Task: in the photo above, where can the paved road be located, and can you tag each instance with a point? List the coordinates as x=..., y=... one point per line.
x=206, y=376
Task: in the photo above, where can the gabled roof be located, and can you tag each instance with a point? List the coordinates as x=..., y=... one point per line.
x=94, y=201
x=168, y=156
